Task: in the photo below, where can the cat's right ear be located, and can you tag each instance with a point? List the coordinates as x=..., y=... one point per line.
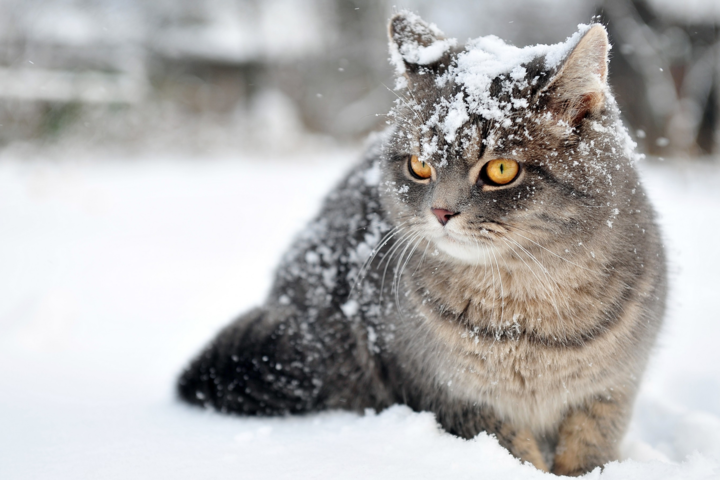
x=580, y=85
x=417, y=48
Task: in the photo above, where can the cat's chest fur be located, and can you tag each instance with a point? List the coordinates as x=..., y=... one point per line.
x=529, y=342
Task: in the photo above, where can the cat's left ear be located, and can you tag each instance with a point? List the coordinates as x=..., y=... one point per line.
x=579, y=88
x=417, y=48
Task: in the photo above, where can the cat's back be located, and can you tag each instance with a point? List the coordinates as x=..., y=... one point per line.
x=327, y=257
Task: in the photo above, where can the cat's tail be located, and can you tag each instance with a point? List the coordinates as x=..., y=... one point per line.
x=255, y=366
x=273, y=362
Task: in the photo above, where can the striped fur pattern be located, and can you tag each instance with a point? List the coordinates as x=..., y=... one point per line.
x=530, y=315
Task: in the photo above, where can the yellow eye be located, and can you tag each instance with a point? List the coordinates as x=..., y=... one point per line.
x=502, y=171
x=419, y=169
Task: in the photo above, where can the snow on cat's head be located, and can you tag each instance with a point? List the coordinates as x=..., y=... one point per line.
x=490, y=137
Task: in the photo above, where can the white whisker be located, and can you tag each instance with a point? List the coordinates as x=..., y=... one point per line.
x=553, y=253
x=502, y=293
x=402, y=269
x=366, y=265
x=388, y=258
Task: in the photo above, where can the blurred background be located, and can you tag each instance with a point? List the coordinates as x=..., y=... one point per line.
x=182, y=75
x=158, y=156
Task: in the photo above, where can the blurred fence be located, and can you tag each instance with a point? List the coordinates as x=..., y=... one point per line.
x=267, y=72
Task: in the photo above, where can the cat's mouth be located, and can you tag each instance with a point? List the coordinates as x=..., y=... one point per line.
x=461, y=240
x=472, y=243
x=476, y=250
x=484, y=233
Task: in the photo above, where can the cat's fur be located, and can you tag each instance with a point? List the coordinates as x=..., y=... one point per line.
x=529, y=315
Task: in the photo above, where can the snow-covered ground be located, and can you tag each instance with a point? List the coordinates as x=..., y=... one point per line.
x=114, y=273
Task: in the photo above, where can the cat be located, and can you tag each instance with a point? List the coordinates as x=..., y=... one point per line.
x=493, y=259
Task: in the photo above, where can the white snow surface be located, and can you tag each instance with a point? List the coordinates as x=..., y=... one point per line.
x=116, y=272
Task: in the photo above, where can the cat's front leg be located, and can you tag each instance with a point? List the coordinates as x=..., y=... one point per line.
x=468, y=422
x=523, y=445
x=589, y=435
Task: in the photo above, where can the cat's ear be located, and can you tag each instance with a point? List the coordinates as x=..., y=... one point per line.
x=416, y=47
x=580, y=84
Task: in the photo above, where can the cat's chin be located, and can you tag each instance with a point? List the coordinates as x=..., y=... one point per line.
x=471, y=254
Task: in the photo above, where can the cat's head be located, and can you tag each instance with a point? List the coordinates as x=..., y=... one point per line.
x=493, y=143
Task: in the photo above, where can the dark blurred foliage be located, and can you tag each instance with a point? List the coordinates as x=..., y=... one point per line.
x=256, y=74
x=665, y=70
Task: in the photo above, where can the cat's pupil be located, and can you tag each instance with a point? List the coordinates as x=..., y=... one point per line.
x=502, y=168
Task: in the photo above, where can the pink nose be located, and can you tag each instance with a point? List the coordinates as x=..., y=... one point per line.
x=443, y=215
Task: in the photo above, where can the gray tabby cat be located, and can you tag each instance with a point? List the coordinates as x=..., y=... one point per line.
x=493, y=259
